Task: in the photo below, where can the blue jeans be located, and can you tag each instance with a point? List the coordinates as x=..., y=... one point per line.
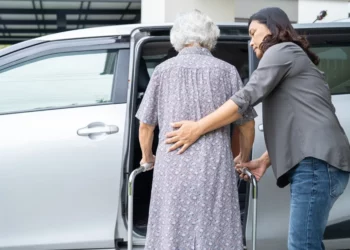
x=315, y=186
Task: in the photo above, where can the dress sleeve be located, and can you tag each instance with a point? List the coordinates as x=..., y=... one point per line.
x=236, y=85
x=148, y=110
x=274, y=66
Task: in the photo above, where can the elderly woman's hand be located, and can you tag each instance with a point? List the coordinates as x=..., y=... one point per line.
x=148, y=159
x=188, y=133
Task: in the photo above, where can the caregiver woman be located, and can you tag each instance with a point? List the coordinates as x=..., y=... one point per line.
x=306, y=145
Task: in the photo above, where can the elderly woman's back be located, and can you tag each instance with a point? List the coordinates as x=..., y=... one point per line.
x=188, y=87
x=194, y=203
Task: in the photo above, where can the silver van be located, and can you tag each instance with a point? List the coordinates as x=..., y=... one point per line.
x=69, y=136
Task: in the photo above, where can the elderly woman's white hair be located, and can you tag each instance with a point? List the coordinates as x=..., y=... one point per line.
x=194, y=27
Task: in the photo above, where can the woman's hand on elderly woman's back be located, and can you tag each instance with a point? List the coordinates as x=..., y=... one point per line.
x=187, y=133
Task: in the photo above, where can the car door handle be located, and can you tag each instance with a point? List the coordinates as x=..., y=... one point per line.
x=261, y=127
x=98, y=129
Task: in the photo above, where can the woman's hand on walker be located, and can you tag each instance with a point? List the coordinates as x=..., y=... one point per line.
x=149, y=159
x=256, y=167
x=187, y=133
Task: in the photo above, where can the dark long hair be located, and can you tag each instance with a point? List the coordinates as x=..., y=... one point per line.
x=281, y=31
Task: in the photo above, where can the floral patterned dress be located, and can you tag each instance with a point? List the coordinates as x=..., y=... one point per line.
x=194, y=201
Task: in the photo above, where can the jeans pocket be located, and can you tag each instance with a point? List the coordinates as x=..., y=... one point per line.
x=338, y=181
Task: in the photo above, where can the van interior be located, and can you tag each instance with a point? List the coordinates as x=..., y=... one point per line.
x=152, y=54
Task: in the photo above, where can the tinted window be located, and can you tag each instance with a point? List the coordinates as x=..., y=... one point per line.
x=335, y=63
x=59, y=80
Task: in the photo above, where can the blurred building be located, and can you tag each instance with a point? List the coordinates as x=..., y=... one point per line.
x=25, y=19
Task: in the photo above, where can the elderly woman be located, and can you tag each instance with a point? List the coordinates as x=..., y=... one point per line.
x=194, y=203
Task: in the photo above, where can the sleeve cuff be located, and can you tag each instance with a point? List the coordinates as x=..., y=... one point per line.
x=247, y=112
x=240, y=102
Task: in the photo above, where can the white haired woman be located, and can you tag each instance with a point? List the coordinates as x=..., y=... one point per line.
x=194, y=203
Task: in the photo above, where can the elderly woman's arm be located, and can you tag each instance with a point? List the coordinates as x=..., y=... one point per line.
x=148, y=117
x=146, y=133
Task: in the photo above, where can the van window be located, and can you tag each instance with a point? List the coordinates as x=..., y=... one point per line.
x=59, y=80
x=335, y=63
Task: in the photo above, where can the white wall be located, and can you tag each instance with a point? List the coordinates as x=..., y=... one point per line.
x=309, y=9
x=160, y=11
x=245, y=8
x=225, y=11
x=221, y=11
x=152, y=11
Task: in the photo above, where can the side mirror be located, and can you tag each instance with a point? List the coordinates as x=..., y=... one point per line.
x=320, y=16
